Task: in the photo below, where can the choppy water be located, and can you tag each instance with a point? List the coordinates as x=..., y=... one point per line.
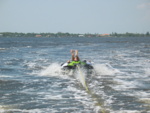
x=30, y=79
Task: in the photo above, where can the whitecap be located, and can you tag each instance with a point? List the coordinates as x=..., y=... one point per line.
x=2, y=48
x=105, y=69
x=52, y=70
x=147, y=71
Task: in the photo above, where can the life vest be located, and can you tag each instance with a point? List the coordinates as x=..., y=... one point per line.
x=72, y=63
x=75, y=62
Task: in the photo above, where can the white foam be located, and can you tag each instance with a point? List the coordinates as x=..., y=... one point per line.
x=80, y=75
x=140, y=94
x=26, y=110
x=56, y=97
x=124, y=85
x=145, y=100
x=126, y=111
x=2, y=48
x=28, y=46
x=5, y=76
x=97, y=109
x=30, y=65
x=147, y=71
x=52, y=70
x=105, y=69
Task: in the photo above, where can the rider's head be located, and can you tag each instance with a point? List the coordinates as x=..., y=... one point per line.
x=76, y=58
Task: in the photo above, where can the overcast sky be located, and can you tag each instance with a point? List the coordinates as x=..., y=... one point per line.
x=75, y=16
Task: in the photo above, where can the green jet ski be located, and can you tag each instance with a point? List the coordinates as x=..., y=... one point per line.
x=74, y=66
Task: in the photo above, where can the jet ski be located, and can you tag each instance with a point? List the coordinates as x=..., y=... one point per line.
x=84, y=65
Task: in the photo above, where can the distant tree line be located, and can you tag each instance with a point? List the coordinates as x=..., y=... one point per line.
x=15, y=34
x=147, y=34
x=60, y=34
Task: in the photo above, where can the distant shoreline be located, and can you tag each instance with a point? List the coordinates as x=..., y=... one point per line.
x=61, y=35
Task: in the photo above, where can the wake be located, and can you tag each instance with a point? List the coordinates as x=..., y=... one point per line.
x=54, y=69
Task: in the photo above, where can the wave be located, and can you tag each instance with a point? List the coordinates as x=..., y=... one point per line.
x=105, y=69
x=2, y=48
x=147, y=71
x=53, y=69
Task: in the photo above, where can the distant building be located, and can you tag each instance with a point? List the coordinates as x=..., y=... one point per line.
x=38, y=35
x=81, y=35
x=105, y=35
x=48, y=35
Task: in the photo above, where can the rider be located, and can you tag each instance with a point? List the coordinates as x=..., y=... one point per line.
x=74, y=54
x=75, y=58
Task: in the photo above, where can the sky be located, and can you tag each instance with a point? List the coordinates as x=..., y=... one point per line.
x=75, y=16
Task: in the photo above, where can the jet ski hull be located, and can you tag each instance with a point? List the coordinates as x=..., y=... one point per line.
x=70, y=70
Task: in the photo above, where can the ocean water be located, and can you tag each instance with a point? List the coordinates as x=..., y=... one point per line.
x=31, y=79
